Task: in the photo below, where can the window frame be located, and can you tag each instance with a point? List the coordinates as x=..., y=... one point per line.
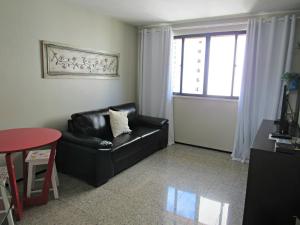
x=206, y=63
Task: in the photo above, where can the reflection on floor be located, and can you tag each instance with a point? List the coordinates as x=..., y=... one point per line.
x=178, y=185
x=196, y=208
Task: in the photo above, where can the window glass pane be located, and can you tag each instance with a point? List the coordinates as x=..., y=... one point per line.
x=176, y=69
x=220, y=69
x=209, y=211
x=193, y=65
x=186, y=204
x=239, y=64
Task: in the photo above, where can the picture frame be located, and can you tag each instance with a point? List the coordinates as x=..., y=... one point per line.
x=65, y=61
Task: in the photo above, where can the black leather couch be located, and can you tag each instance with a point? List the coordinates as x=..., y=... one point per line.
x=89, y=151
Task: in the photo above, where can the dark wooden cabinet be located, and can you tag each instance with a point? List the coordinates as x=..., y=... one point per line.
x=273, y=186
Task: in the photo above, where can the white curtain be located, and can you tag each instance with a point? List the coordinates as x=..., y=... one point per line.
x=268, y=55
x=154, y=74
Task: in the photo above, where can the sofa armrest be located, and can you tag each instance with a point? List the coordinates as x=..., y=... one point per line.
x=92, y=164
x=87, y=141
x=151, y=121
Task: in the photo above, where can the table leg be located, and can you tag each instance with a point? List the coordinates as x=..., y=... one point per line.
x=25, y=174
x=14, y=188
x=47, y=181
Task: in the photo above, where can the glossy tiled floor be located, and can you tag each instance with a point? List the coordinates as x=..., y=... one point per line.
x=178, y=185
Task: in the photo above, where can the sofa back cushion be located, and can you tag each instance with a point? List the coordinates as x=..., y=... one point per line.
x=92, y=123
x=130, y=108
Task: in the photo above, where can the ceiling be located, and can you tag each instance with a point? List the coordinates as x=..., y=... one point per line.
x=142, y=12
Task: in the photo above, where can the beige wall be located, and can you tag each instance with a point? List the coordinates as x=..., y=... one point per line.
x=205, y=121
x=27, y=100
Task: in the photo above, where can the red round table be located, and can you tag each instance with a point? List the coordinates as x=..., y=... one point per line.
x=22, y=140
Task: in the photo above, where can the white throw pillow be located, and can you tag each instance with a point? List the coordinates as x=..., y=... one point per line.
x=118, y=122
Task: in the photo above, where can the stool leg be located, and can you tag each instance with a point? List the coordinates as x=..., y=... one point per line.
x=29, y=180
x=33, y=177
x=54, y=185
x=6, y=203
x=55, y=172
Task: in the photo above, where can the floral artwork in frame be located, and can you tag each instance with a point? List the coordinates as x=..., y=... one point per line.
x=64, y=61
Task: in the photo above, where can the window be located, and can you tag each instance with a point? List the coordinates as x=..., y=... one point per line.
x=209, y=64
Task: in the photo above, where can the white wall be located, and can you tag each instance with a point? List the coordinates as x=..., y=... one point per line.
x=205, y=122
x=27, y=100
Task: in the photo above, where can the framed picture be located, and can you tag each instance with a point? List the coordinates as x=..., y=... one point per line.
x=64, y=61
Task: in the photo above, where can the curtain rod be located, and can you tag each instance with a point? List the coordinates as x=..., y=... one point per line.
x=210, y=26
x=243, y=23
x=218, y=19
x=239, y=16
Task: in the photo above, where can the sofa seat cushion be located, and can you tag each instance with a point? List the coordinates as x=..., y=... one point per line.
x=136, y=134
x=142, y=131
x=123, y=139
x=128, y=144
x=125, y=145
